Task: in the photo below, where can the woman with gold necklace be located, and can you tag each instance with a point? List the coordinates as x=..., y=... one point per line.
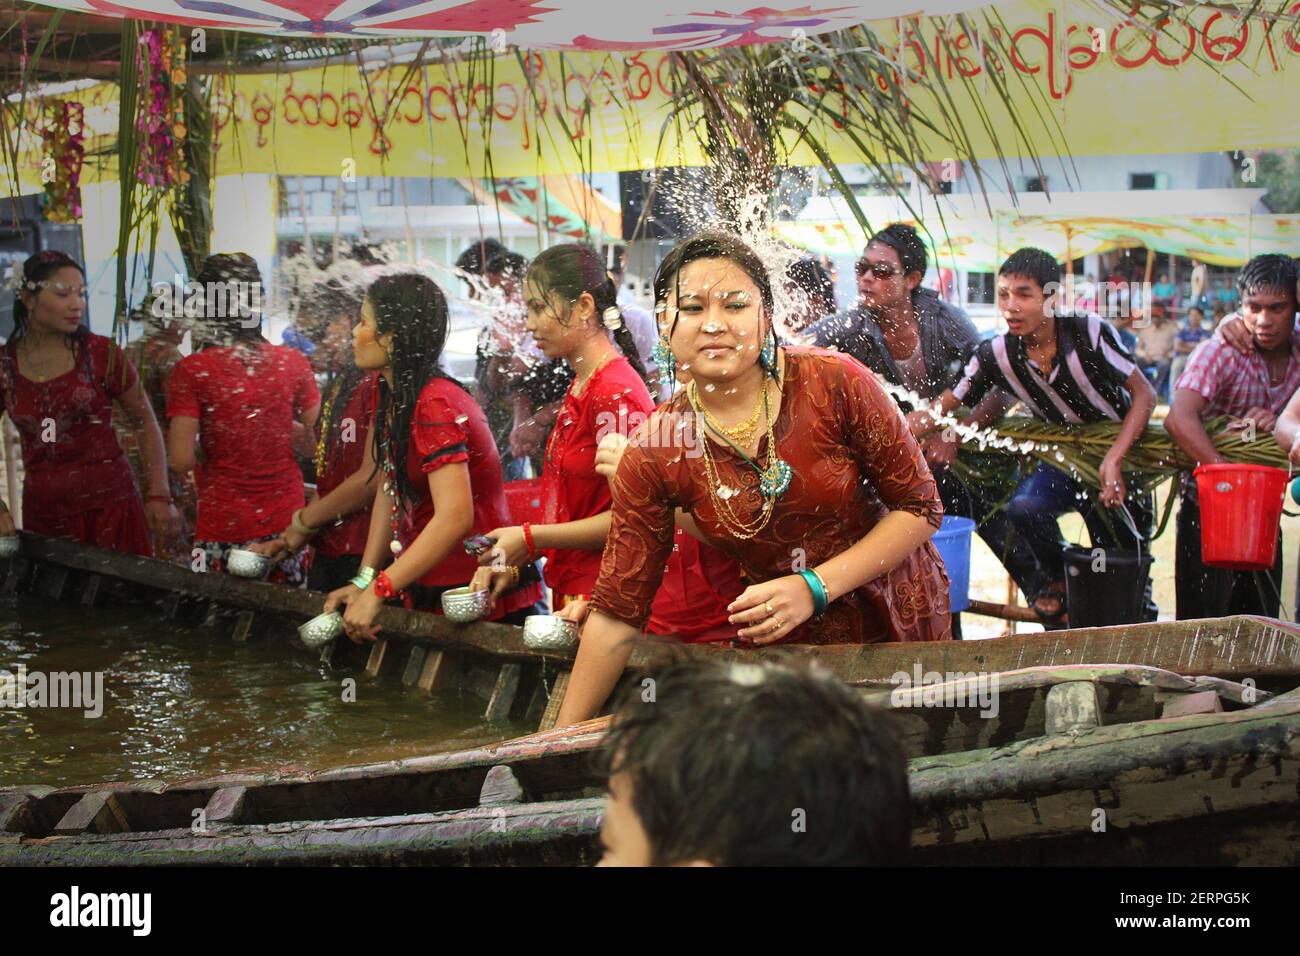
x=805, y=473
x=572, y=311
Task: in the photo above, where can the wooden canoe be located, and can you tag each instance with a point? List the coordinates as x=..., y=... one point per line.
x=1103, y=764
x=492, y=662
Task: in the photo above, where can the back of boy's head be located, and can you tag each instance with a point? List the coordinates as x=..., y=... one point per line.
x=757, y=765
x=1036, y=264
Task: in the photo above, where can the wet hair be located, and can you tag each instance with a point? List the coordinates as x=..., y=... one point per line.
x=725, y=759
x=1271, y=271
x=1034, y=264
x=573, y=268
x=511, y=263
x=37, y=269
x=414, y=309
x=476, y=257
x=904, y=240
x=229, y=318
x=814, y=281
x=713, y=245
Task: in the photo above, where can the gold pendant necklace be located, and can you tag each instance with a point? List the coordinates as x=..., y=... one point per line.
x=742, y=434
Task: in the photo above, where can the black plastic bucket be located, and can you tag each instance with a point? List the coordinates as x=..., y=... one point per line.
x=1105, y=587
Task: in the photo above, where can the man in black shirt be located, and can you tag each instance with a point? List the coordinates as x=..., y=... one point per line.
x=911, y=338
x=1065, y=369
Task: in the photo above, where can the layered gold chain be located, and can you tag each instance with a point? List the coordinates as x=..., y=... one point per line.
x=736, y=526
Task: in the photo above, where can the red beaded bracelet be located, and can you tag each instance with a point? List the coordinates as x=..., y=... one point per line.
x=383, y=586
x=528, y=539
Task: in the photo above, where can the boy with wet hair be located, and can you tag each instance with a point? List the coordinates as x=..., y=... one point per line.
x=1067, y=369
x=1254, y=388
x=752, y=765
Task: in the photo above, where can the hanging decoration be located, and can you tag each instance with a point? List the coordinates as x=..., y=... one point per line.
x=161, y=121
x=65, y=151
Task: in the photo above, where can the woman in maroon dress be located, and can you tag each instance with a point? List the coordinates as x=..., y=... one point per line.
x=440, y=472
x=59, y=382
x=806, y=474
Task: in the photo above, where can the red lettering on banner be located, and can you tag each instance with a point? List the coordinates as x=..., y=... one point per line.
x=514, y=101
x=352, y=112
x=329, y=98
x=1292, y=38
x=262, y=112
x=645, y=82
x=1236, y=43
x=419, y=105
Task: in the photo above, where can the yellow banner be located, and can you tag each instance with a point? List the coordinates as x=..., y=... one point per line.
x=1081, y=83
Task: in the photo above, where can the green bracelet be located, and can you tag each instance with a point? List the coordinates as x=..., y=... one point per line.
x=364, y=578
x=814, y=582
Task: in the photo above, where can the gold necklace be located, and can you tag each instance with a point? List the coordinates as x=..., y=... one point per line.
x=737, y=526
x=742, y=434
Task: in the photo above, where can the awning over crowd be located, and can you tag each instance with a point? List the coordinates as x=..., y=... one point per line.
x=1216, y=226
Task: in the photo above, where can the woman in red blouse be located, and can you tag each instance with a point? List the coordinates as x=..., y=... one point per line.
x=252, y=406
x=572, y=310
x=806, y=474
x=58, y=382
x=336, y=522
x=440, y=472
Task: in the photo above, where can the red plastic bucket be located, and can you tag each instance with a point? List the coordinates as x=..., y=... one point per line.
x=524, y=498
x=1241, y=512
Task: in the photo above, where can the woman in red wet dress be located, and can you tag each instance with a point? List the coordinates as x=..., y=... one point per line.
x=807, y=475
x=58, y=382
x=572, y=312
x=336, y=522
x=440, y=472
x=252, y=406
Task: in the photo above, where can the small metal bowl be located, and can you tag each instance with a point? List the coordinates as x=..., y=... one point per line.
x=463, y=605
x=248, y=564
x=9, y=545
x=321, y=629
x=545, y=632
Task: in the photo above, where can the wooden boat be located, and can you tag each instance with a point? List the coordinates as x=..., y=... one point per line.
x=1114, y=764
x=491, y=661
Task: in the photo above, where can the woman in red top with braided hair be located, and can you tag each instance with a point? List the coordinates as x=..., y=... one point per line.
x=58, y=382
x=440, y=474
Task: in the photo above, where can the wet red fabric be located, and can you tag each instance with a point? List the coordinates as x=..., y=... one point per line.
x=78, y=483
x=699, y=582
x=614, y=399
x=854, y=460
x=342, y=458
x=246, y=400
x=448, y=427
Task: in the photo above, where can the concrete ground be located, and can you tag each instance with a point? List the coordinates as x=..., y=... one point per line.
x=989, y=578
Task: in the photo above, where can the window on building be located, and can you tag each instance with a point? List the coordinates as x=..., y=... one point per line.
x=1148, y=181
x=1033, y=184
x=979, y=288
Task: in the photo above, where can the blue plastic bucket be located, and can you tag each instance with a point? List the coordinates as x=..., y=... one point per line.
x=953, y=541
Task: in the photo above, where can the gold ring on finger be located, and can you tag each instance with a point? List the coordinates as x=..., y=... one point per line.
x=769, y=609
x=777, y=624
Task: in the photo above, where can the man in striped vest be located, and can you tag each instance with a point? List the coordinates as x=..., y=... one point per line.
x=1066, y=369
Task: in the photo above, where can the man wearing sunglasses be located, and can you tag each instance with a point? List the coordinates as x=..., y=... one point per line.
x=912, y=339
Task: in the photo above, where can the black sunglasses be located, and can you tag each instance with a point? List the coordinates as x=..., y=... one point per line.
x=881, y=270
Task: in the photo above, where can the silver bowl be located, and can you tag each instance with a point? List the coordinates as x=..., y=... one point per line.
x=248, y=564
x=463, y=605
x=9, y=545
x=321, y=629
x=545, y=632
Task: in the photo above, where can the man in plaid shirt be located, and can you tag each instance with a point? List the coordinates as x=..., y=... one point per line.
x=1252, y=387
